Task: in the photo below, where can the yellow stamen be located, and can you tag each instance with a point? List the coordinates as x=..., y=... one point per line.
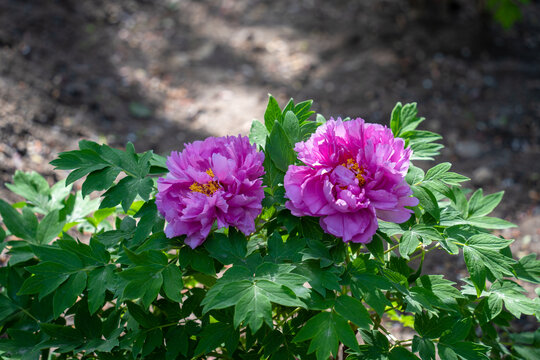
x=207, y=189
x=357, y=170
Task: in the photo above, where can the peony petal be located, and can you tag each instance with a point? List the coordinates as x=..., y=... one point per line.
x=215, y=179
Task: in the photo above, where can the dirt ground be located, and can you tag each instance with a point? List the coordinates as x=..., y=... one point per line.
x=163, y=72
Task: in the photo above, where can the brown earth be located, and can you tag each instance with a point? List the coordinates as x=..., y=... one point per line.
x=160, y=73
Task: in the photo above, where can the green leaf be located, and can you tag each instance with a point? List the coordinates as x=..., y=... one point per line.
x=528, y=268
x=320, y=279
x=404, y=119
x=49, y=228
x=414, y=176
x=272, y=179
x=214, y=335
x=425, y=151
x=125, y=192
x=459, y=331
x=408, y=243
x=148, y=216
x=292, y=127
x=424, y=347
x=488, y=242
x=302, y=110
x=227, y=249
x=253, y=308
x=369, y=287
x=309, y=127
x=144, y=285
x=420, y=299
x=154, y=339
x=476, y=268
x=325, y=330
x=177, y=342
x=279, y=148
x=279, y=293
x=486, y=222
x=144, y=319
x=98, y=282
x=89, y=325
x=288, y=250
x=377, y=342
x=420, y=136
x=376, y=247
x=288, y=107
x=496, y=263
x=47, y=253
x=480, y=205
x=353, y=310
x=7, y=307
x=437, y=171
x=452, y=178
x=258, y=134
x=431, y=327
x=99, y=180
x=272, y=285
x=281, y=274
x=95, y=254
x=172, y=282
x=316, y=249
x=225, y=294
x=514, y=299
x=344, y=332
x=102, y=164
x=44, y=283
x=395, y=119
x=440, y=287
x=66, y=333
x=15, y=223
x=83, y=161
x=202, y=262
x=272, y=113
x=67, y=293
x=35, y=189
x=427, y=201
x=445, y=353
x=470, y=350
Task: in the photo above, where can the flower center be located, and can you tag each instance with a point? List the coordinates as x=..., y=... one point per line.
x=357, y=170
x=207, y=189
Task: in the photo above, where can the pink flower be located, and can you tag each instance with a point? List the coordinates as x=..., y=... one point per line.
x=215, y=179
x=354, y=174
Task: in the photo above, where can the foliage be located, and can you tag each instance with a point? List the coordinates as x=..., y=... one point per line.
x=506, y=12
x=92, y=275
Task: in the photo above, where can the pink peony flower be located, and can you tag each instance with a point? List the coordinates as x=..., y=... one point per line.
x=215, y=179
x=354, y=174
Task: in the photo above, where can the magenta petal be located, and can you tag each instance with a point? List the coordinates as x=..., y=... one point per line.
x=191, y=199
x=353, y=173
x=357, y=227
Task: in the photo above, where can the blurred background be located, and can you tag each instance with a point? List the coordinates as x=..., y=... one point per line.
x=163, y=72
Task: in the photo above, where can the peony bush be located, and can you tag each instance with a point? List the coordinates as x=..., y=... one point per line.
x=304, y=241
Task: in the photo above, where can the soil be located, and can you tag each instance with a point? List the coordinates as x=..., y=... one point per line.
x=163, y=72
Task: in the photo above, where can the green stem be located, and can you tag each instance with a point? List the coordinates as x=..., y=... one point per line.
x=282, y=322
x=392, y=248
x=425, y=251
x=27, y=313
x=164, y=326
x=388, y=333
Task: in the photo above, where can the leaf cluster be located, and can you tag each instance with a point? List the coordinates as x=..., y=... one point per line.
x=92, y=275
